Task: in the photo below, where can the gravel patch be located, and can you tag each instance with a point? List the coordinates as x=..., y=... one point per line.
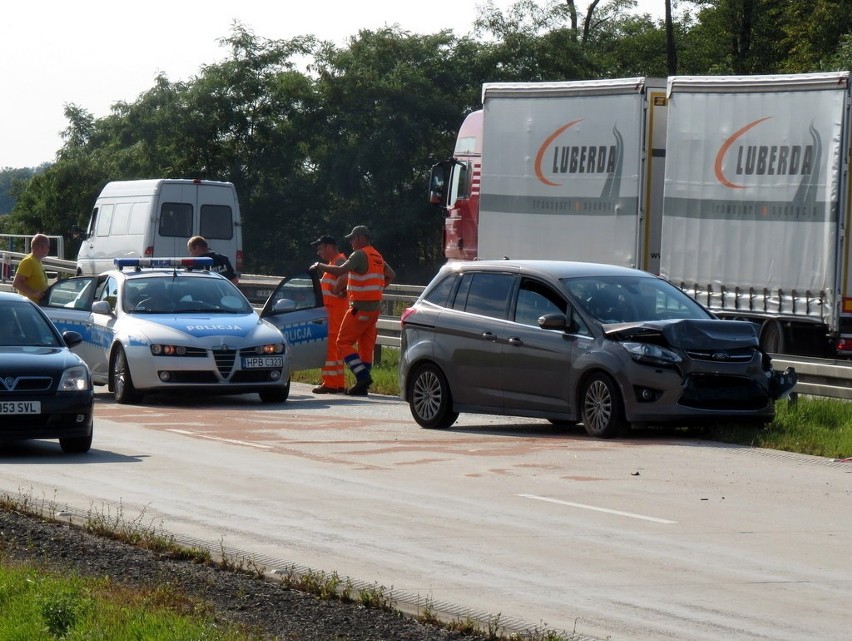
x=267, y=608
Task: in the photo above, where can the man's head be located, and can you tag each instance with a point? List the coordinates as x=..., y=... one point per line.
x=326, y=247
x=40, y=246
x=359, y=236
x=197, y=246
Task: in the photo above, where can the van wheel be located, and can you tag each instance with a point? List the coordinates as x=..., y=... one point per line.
x=772, y=339
x=430, y=400
x=601, y=407
x=123, y=390
x=275, y=396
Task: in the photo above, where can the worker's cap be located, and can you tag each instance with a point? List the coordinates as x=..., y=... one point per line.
x=358, y=230
x=324, y=240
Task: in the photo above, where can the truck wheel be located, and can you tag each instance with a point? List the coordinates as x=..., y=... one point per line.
x=429, y=398
x=123, y=390
x=772, y=338
x=601, y=407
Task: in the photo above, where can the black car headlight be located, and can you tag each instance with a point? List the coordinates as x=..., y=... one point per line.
x=74, y=379
x=649, y=354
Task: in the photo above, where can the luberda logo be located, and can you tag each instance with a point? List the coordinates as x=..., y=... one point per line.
x=576, y=159
x=762, y=160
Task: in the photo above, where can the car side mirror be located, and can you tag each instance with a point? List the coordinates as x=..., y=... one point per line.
x=101, y=307
x=284, y=305
x=72, y=338
x=553, y=321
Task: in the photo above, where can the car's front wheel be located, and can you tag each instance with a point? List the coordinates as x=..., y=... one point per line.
x=601, y=407
x=430, y=400
x=123, y=390
x=275, y=396
x=76, y=445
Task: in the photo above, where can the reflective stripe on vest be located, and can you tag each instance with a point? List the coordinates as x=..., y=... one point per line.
x=370, y=285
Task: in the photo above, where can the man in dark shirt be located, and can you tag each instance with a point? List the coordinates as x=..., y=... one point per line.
x=197, y=246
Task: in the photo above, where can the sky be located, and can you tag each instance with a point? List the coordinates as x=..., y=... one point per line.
x=95, y=53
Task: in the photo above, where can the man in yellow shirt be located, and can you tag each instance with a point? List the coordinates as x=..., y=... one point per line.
x=30, y=277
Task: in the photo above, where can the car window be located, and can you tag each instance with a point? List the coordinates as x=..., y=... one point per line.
x=107, y=289
x=22, y=324
x=484, y=293
x=536, y=299
x=160, y=295
x=301, y=289
x=74, y=293
x=440, y=293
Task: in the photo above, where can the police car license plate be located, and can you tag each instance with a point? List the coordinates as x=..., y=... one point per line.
x=263, y=362
x=20, y=407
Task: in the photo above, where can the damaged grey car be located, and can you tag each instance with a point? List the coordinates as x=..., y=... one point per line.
x=601, y=345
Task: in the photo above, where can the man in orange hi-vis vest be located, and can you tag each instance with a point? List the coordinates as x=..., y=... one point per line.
x=334, y=300
x=368, y=275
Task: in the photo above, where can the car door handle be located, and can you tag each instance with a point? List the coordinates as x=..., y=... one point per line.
x=489, y=336
x=515, y=340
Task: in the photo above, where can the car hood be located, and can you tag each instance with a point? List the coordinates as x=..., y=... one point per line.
x=202, y=328
x=19, y=361
x=688, y=334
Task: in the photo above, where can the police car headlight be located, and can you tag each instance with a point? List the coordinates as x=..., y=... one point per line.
x=168, y=350
x=74, y=379
x=272, y=348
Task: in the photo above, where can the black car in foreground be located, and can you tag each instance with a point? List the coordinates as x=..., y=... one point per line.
x=45, y=389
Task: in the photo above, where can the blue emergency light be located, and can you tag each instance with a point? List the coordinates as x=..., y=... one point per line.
x=188, y=262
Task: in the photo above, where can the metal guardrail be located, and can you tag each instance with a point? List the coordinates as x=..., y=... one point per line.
x=818, y=376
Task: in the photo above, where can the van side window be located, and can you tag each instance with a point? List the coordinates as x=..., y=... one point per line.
x=104, y=220
x=120, y=219
x=176, y=220
x=138, y=219
x=217, y=222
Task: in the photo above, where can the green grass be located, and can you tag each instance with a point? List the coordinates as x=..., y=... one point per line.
x=808, y=425
x=38, y=605
x=384, y=374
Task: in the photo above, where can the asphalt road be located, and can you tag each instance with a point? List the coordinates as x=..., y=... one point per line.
x=657, y=536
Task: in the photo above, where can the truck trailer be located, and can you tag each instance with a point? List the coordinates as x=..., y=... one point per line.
x=562, y=170
x=756, y=204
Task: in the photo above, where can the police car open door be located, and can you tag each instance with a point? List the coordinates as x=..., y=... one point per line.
x=295, y=307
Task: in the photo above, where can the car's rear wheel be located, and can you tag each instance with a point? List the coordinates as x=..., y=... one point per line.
x=277, y=396
x=430, y=400
x=123, y=390
x=76, y=445
x=601, y=407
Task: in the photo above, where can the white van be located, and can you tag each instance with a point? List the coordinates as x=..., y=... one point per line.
x=153, y=218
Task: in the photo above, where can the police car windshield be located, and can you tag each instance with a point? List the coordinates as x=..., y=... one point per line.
x=183, y=295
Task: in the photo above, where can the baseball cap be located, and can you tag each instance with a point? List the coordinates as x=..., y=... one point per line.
x=326, y=239
x=359, y=230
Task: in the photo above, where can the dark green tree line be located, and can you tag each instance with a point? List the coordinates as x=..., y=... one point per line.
x=319, y=137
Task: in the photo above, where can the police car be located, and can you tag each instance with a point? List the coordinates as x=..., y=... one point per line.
x=170, y=325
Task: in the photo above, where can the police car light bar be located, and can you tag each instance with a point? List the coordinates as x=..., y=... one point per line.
x=190, y=262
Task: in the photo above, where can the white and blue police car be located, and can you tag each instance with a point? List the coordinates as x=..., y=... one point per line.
x=171, y=325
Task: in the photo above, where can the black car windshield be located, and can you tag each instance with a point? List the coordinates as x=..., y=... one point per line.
x=183, y=295
x=632, y=299
x=21, y=324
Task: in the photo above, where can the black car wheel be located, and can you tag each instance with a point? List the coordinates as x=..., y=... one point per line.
x=123, y=390
x=277, y=396
x=76, y=445
x=430, y=400
x=601, y=407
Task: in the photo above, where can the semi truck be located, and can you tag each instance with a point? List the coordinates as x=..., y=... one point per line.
x=557, y=170
x=735, y=188
x=757, y=203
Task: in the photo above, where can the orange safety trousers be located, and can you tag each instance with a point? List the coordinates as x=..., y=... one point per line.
x=358, y=328
x=332, y=371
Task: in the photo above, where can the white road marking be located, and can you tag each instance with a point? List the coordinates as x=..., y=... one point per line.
x=596, y=509
x=223, y=440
